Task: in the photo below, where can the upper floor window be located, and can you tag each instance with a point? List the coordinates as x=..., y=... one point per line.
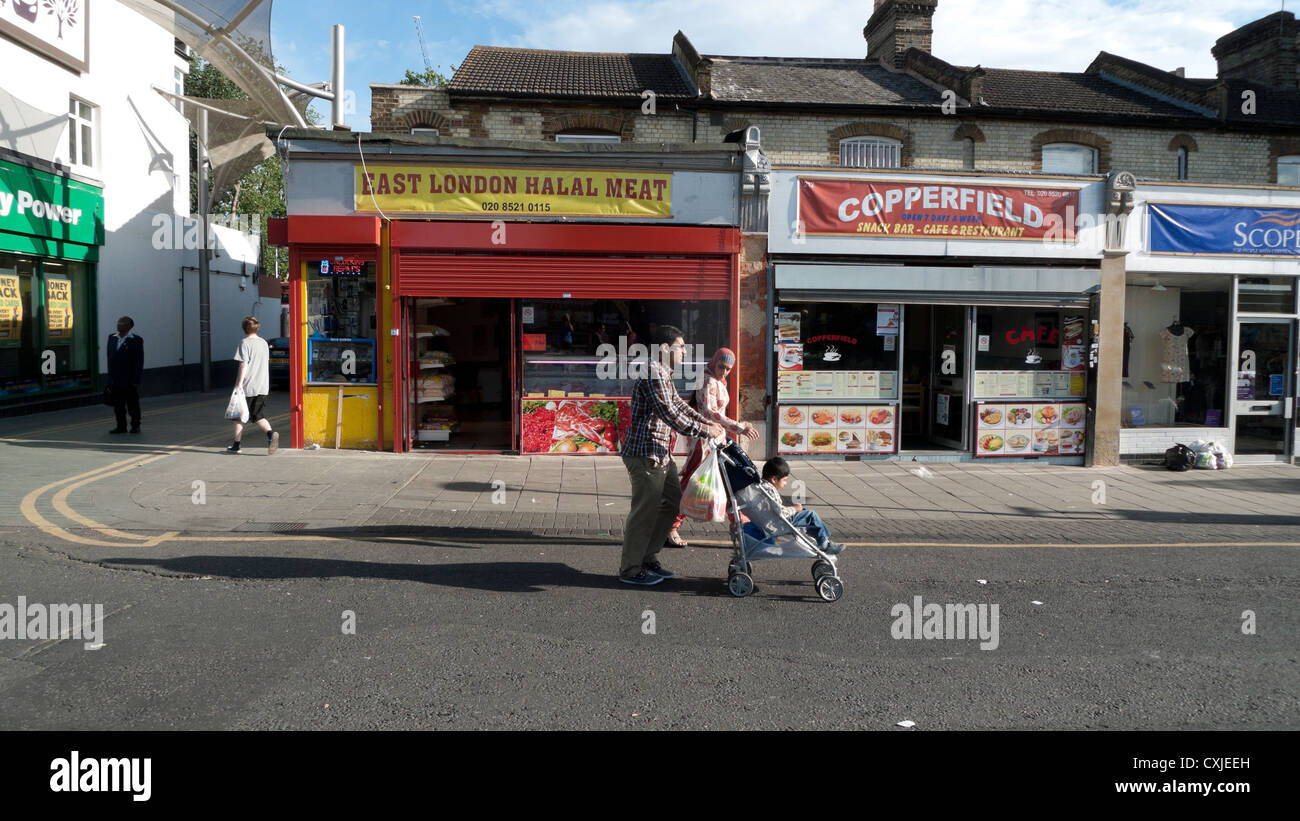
x=1288, y=170
x=586, y=135
x=82, y=118
x=428, y=132
x=1182, y=162
x=178, y=78
x=968, y=153
x=1069, y=158
x=870, y=152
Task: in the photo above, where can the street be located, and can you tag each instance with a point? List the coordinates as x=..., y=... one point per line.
x=330, y=603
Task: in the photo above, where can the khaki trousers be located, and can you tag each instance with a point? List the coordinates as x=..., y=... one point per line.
x=656, y=496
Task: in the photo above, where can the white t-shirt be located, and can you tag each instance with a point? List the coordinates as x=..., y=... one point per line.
x=257, y=376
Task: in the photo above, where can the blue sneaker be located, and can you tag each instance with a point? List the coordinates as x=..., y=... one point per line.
x=658, y=570
x=641, y=578
x=832, y=549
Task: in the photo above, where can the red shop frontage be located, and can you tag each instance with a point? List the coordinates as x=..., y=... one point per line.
x=518, y=337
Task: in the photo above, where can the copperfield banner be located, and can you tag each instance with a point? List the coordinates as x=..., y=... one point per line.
x=841, y=207
x=406, y=189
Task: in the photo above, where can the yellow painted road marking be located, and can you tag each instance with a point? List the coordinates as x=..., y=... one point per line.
x=60, y=501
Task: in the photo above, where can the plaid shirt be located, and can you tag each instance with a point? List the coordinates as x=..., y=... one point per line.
x=657, y=410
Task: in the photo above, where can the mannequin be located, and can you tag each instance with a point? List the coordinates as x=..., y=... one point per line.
x=1174, y=366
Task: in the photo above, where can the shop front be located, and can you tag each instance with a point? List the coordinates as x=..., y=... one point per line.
x=932, y=316
x=51, y=227
x=466, y=296
x=533, y=348
x=1211, y=321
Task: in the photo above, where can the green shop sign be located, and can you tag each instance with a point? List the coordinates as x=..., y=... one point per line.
x=45, y=214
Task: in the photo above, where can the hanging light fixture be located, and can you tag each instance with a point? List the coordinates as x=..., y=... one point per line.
x=1158, y=286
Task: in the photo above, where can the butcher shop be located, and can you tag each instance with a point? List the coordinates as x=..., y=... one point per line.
x=466, y=296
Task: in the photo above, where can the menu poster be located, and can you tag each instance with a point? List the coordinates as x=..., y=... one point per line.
x=1077, y=385
x=1024, y=384
x=891, y=342
x=941, y=409
x=1072, y=357
x=11, y=309
x=790, y=356
x=888, y=381
x=836, y=429
x=887, y=320
x=788, y=326
x=1029, y=428
x=1042, y=384
x=836, y=385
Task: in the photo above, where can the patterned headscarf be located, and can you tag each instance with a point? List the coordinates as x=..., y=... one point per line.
x=722, y=358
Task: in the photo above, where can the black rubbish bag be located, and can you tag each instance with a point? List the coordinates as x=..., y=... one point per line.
x=1180, y=457
x=110, y=396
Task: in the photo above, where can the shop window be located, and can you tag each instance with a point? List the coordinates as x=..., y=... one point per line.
x=1069, y=158
x=1176, y=343
x=20, y=367
x=870, y=152
x=564, y=342
x=1266, y=295
x=341, y=320
x=581, y=135
x=82, y=120
x=1028, y=352
x=45, y=342
x=823, y=344
x=1182, y=162
x=66, y=324
x=1288, y=170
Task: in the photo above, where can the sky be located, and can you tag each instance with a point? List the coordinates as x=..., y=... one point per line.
x=1045, y=35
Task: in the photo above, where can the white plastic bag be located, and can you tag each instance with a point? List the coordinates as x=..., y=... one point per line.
x=237, y=407
x=705, y=499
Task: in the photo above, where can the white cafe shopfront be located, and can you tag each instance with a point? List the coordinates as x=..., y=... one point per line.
x=941, y=317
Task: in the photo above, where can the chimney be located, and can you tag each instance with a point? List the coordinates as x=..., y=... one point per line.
x=1263, y=51
x=897, y=25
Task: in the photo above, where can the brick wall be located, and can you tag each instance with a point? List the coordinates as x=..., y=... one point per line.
x=812, y=139
x=755, y=344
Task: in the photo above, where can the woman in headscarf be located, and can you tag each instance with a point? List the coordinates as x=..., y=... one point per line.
x=711, y=400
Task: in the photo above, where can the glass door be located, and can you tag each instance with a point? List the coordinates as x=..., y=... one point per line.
x=948, y=375
x=1265, y=389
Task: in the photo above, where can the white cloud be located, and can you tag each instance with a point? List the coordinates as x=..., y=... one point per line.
x=1060, y=35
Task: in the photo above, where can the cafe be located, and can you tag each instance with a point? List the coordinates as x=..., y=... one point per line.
x=944, y=317
x=474, y=296
x=51, y=227
x=1211, y=320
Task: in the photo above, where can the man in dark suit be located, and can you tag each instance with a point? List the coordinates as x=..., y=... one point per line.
x=125, y=368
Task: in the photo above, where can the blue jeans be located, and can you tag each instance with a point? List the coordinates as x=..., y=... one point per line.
x=806, y=519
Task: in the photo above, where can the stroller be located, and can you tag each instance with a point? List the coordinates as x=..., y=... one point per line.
x=784, y=540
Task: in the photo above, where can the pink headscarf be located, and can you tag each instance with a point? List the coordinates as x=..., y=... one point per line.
x=724, y=357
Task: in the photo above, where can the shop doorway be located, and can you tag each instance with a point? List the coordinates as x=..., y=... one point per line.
x=1264, y=390
x=459, y=374
x=932, y=411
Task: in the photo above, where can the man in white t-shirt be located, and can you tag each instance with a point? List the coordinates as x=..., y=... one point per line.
x=254, y=358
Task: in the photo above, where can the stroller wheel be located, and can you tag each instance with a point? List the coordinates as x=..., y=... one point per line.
x=820, y=568
x=830, y=588
x=740, y=585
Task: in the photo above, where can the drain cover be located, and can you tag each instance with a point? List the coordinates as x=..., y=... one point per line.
x=271, y=527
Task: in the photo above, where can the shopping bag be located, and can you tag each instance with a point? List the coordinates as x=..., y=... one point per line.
x=705, y=499
x=237, y=407
x=110, y=396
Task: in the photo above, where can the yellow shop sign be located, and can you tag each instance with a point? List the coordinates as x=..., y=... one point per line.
x=407, y=189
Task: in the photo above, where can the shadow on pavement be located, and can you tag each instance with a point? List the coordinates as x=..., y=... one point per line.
x=1169, y=517
x=495, y=577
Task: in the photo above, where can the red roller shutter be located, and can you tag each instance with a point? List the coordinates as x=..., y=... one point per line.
x=555, y=277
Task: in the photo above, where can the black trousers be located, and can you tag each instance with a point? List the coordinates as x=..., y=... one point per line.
x=126, y=398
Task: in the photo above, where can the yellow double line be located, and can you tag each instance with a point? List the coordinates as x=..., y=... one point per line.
x=32, y=514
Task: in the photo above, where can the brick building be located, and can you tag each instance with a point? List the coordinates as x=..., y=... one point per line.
x=903, y=110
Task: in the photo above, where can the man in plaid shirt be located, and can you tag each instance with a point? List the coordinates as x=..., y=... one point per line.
x=657, y=410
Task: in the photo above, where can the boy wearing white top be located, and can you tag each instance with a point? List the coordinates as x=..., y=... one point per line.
x=254, y=358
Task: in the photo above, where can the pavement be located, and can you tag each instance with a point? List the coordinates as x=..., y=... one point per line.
x=86, y=489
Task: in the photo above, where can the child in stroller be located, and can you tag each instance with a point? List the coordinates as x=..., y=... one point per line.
x=776, y=474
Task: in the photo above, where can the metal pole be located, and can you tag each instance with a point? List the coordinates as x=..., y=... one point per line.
x=205, y=307
x=336, y=78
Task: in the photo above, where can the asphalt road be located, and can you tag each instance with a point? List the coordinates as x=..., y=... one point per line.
x=459, y=634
